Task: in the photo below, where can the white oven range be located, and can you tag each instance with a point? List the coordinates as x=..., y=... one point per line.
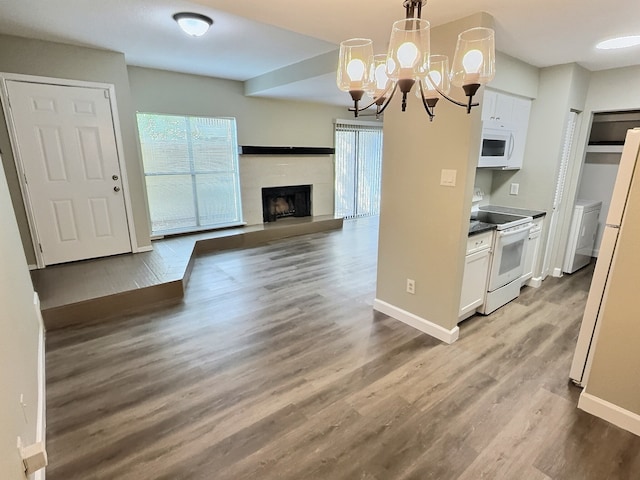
x=507, y=257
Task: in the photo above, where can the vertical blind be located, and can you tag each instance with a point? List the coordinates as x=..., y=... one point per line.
x=191, y=171
x=358, y=161
x=561, y=179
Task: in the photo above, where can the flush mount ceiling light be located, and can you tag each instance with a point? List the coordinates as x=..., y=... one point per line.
x=409, y=61
x=619, y=42
x=193, y=24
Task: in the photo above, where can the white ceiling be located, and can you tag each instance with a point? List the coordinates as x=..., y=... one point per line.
x=249, y=39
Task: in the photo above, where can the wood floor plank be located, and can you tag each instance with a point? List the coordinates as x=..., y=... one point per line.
x=275, y=366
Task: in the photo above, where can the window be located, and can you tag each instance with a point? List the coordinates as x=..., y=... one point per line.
x=358, y=169
x=191, y=172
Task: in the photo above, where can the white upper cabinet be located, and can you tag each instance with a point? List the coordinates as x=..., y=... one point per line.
x=510, y=114
x=489, y=105
x=520, y=124
x=497, y=107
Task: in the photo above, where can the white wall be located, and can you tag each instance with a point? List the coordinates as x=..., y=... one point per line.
x=561, y=89
x=260, y=121
x=19, y=345
x=49, y=59
x=608, y=90
x=427, y=241
x=515, y=77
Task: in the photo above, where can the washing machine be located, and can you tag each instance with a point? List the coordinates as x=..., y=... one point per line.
x=582, y=236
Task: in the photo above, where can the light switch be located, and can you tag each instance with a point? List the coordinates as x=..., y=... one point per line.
x=515, y=187
x=448, y=178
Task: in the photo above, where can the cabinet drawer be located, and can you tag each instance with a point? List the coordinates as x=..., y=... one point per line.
x=479, y=242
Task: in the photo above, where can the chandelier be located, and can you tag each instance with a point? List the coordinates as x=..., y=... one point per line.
x=410, y=62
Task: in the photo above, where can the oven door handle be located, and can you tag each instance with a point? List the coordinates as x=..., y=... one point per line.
x=514, y=232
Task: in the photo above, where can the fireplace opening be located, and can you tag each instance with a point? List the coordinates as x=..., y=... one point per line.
x=288, y=201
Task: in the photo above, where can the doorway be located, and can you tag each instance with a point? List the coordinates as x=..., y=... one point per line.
x=67, y=154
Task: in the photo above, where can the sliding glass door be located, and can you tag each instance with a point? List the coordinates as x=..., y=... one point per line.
x=358, y=169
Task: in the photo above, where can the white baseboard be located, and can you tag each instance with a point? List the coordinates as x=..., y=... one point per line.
x=41, y=422
x=534, y=282
x=557, y=272
x=32, y=267
x=425, y=326
x=611, y=413
x=146, y=248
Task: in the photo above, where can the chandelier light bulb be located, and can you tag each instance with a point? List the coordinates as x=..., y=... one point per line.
x=472, y=61
x=381, y=77
x=355, y=70
x=434, y=79
x=391, y=67
x=407, y=54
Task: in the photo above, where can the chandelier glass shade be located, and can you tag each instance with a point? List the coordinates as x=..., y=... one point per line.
x=436, y=78
x=409, y=62
x=474, y=60
x=380, y=81
x=356, y=57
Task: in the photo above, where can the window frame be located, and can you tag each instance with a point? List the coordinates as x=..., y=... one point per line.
x=193, y=173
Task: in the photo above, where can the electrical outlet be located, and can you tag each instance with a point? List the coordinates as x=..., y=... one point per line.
x=515, y=187
x=411, y=286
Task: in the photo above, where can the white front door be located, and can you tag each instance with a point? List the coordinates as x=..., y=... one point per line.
x=67, y=148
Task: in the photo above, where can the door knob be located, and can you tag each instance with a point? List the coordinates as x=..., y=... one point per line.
x=115, y=177
x=116, y=189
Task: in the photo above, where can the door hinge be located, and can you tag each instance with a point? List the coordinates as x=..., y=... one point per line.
x=40, y=245
x=25, y=179
x=106, y=94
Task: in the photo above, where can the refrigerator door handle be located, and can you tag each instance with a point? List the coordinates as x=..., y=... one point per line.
x=610, y=225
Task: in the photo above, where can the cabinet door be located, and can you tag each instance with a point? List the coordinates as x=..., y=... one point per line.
x=489, y=105
x=520, y=124
x=529, y=259
x=504, y=108
x=474, y=282
x=532, y=253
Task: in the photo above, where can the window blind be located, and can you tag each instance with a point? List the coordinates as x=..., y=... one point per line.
x=191, y=171
x=358, y=165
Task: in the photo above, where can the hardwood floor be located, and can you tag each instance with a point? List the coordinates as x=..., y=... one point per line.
x=90, y=291
x=276, y=367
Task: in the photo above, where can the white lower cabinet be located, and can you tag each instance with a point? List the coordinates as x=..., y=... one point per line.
x=531, y=254
x=476, y=269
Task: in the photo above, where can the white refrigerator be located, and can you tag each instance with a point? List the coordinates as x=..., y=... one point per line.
x=606, y=262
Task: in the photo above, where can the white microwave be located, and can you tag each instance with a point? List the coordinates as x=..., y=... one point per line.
x=496, y=147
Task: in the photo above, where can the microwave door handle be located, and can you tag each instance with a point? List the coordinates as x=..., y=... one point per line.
x=512, y=145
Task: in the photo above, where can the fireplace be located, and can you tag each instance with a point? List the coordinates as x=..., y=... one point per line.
x=291, y=201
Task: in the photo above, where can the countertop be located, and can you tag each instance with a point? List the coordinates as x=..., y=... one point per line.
x=514, y=211
x=476, y=227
